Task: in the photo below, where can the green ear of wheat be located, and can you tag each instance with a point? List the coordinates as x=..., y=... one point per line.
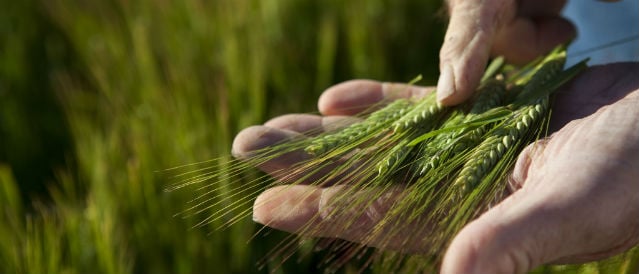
x=375, y=122
x=449, y=162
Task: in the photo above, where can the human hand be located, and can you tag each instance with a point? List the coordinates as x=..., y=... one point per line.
x=575, y=195
x=520, y=30
x=291, y=208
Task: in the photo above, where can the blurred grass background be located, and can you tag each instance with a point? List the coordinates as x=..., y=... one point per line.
x=96, y=97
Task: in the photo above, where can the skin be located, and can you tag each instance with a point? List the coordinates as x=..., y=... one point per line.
x=520, y=30
x=574, y=197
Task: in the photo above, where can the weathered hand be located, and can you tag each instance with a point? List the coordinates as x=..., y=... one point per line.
x=290, y=208
x=575, y=195
x=577, y=192
x=518, y=29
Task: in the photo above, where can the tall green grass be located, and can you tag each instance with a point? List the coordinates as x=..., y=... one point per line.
x=98, y=97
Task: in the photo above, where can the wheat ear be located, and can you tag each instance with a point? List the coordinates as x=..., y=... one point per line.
x=376, y=121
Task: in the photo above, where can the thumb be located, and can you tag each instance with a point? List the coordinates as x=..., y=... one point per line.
x=512, y=237
x=467, y=45
x=507, y=239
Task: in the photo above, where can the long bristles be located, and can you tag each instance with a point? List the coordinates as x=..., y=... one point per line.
x=447, y=165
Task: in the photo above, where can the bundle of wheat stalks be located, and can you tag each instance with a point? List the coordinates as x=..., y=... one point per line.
x=443, y=165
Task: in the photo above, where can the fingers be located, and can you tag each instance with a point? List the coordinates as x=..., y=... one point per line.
x=337, y=212
x=356, y=96
x=538, y=8
x=507, y=238
x=283, y=129
x=287, y=208
x=572, y=205
x=336, y=103
x=252, y=139
x=518, y=30
x=522, y=166
x=527, y=230
x=310, y=125
x=594, y=88
x=526, y=38
x=467, y=45
x=503, y=240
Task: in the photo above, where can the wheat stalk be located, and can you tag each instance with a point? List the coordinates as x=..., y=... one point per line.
x=421, y=116
x=485, y=156
x=451, y=161
x=445, y=145
x=376, y=121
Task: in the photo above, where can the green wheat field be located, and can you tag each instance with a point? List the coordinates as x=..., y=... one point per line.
x=99, y=98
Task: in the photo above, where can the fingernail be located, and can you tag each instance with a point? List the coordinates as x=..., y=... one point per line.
x=257, y=219
x=445, y=84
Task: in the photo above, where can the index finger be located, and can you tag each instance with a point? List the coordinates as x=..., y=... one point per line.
x=355, y=96
x=467, y=45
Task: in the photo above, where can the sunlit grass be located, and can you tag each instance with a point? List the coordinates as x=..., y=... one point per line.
x=149, y=85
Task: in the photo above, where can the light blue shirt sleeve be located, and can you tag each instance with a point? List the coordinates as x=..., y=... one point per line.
x=598, y=24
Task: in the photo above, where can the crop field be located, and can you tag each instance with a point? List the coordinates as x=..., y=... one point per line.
x=98, y=99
